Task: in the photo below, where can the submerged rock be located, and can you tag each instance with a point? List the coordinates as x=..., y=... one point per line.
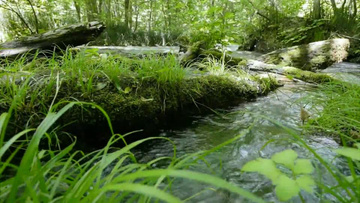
x=313, y=56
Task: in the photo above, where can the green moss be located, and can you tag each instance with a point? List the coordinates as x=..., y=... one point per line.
x=135, y=94
x=307, y=76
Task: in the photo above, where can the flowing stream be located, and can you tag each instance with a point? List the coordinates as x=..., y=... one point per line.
x=262, y=140
x=207, y=132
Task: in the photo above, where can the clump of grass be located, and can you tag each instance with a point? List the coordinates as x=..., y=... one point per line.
x=44, y=175
x=213, y=66
x=339, y=108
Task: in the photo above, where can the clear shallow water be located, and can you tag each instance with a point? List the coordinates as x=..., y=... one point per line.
x=207, y=132
x=348, y=72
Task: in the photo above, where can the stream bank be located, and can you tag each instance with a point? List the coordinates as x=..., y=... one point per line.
x=138, y=94
x=145, y=93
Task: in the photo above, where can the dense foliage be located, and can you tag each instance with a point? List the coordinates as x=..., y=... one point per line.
x=256, y=24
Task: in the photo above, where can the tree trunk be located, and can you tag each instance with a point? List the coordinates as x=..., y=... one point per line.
x=353, y=9
x=150, y=16
x=78, y=10
x=317, y=9
x=99, y=9
x=169, y=14
x=91, y=8
x=46, y=43
x=137, y=17
x=127, y=13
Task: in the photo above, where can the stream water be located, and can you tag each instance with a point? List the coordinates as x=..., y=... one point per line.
x=207, y=132
x=263, y=140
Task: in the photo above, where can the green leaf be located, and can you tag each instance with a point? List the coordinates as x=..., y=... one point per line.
x=101, y=85
x=146, y=100
x=352, y=153
x=229, y=15
x=303, y=166
x=286, y=188
x=127, y=90
x=357, y=145
x=306, y=183
x=266, y=167
x=287, y=158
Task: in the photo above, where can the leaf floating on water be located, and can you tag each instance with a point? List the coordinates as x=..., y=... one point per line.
x=101, y=85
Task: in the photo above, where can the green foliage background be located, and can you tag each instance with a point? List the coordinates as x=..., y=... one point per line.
x=255, y=24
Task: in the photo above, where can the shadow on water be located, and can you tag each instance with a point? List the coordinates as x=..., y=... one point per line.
x=212, y=130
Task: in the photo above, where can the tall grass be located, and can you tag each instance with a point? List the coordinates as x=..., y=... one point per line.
x=44, y=175
x=339, y=108
x=80, y=75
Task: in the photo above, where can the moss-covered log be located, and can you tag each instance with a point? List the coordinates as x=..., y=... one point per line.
x=290, y=72
x=313, y=56
x=197, y=52
x=61, y=38
x=144, y=104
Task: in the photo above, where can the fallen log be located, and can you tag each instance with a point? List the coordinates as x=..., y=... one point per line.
x=291, y=72
x=47, y=42
x=313, y=56
x=197, y=52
